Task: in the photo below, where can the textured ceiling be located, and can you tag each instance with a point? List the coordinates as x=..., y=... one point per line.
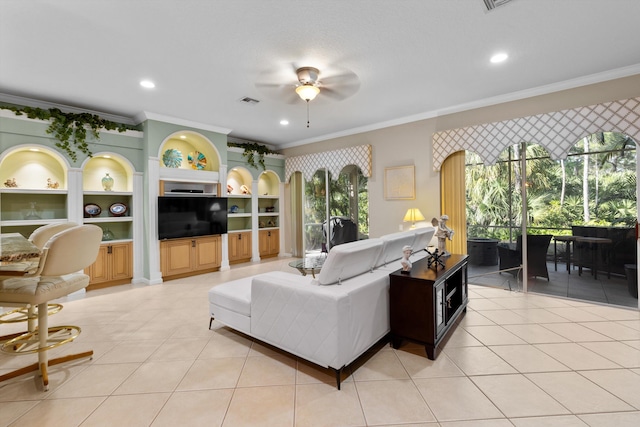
x=412, y=58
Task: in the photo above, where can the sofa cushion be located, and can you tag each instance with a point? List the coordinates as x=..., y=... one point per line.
x=348, y=260
x=392, y=246
x=234, y=296
x=423, y=237
x=327, y=325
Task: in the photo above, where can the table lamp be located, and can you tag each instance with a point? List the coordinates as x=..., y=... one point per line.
x=413, y=215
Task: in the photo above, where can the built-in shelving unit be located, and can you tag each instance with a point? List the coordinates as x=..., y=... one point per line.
x=268, y=200
x=115, y=200
x=33, y=191
x=189, y=166
x=115, y=203
x=240, y=200
x=254, y=215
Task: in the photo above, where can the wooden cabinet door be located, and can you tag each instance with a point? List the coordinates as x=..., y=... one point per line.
x=244, y=246
x=207, y=253
x=175, y=256
x=239, y=246
x=120, y=261
x=98, y=272
x=263, y=242
x=269, y=242
x=274, y=244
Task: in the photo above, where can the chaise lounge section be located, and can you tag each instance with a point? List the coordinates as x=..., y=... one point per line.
x=331, y=320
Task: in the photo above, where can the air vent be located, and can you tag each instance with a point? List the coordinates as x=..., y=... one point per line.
x=249, y=101
x=492, y=4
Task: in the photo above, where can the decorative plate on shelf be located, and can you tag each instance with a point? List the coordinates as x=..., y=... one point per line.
x=92, y=210
x=172, y=158
x=118, y=209
x=197, y=160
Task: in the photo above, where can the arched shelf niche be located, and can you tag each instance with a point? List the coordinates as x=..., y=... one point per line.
x=189, y=150
x=31, y=165
x=268, y=184
x=239, y=180
x=34, y=182
x=97, y=167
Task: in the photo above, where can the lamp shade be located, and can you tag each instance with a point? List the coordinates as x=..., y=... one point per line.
x=414, y=215
x=307, y=91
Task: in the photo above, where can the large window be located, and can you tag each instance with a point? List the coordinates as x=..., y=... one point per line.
x=348, y=202
x=583, y=207
x=595, y=185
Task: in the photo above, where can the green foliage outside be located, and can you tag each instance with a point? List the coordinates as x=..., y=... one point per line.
x=556, y=190
x=348, y=197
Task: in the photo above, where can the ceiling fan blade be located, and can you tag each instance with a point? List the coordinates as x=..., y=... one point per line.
x=279, y=91
x=346, y=78
x=341, y=92
x=340, y=85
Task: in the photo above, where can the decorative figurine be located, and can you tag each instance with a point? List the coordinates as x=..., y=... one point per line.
x=52, y=184
x=406, y=263
x=11, y=183
x=435, y=259
x=229, y=189
x=245, y=190
x=442, y=233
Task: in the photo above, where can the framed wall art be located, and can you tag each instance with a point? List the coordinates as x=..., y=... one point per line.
x=399, y=183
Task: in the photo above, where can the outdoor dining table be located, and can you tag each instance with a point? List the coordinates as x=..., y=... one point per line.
x=594, y=243
x=568, y=242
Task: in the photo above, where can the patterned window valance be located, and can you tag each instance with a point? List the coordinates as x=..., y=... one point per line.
x=334, y=161
x=558, y=132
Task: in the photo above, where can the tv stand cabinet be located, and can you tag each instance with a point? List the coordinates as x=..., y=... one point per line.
x=425, y=304
x=189, y=256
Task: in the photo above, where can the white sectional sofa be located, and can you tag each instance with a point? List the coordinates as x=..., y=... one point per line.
x=330, y=320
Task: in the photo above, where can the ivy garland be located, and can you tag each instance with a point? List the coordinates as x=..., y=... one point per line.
x=251, y=149
x=70, y=129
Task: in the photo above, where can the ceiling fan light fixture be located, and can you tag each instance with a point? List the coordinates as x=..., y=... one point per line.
x=307, y=91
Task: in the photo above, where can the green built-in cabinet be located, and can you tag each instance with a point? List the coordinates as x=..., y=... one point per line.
x=254, y=206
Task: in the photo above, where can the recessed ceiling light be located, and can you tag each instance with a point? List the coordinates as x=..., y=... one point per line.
x=183, y=137
x=284, y=122
x=499, y=57
x=147, y=84
x=106, y=156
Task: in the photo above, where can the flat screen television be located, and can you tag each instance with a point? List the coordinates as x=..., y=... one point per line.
x=191, y=216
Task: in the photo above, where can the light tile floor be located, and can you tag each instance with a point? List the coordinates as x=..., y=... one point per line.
x=607, y=290
x=514, y=360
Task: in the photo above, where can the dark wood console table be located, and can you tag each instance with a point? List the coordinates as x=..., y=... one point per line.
x=425, y=304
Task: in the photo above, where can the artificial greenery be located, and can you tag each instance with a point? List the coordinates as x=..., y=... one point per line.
x=70, y=129
x=251, y=151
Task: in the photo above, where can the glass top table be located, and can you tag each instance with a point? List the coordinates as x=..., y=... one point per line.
x=308, y=265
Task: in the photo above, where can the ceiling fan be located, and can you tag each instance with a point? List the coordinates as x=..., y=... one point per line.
x=335, y=83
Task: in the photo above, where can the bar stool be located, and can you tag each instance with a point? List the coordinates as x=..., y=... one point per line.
x=59, y=273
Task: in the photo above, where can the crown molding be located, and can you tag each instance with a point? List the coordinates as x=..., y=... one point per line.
x=36, y=103
x=617, y=73
x=12, y=115
x=146, y=115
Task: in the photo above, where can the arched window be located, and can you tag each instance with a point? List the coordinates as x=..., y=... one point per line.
x=348, y=209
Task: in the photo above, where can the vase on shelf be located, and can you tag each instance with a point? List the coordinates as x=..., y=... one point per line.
x=107, y=183
x=32, y=213
x=107, y=235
